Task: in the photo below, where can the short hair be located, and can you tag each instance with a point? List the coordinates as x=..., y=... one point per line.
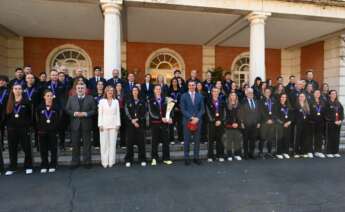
x=291, y=76
x=18, y=69
x=97, y=68
x=177, y=71
x=249, y=90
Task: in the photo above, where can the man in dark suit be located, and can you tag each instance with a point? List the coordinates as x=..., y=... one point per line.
x=192, y=108
x=115, y=79
x=81, y=108
x=310, y=79
x=128, y=86
x=97, y=77
x=250, y=122
x=147, y=88
x=19, y=78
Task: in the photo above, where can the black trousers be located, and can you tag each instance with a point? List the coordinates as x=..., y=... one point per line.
x=333, y=137
x=62, y=129
x=77, y=136
x=1, y=159
x=318, y=135
x=123, y=129
x=179, y=127
x=15, y=137
x=303, y=138
x=2, y=137
x=250, y=136
x=268, y=136
x=135, y=136
x=95, y=134
x=284, y=139
x=215, y=136
x=48, y=143
x=160, y=132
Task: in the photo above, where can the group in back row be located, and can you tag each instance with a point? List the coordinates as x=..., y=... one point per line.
x=299, y=119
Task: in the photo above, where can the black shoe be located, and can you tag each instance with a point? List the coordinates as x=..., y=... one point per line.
x=251, y=156
x=187, y=162
x=197, y=161
x=87, y=166
x=269, y=155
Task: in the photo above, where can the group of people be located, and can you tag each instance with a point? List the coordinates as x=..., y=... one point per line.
x=297, y=120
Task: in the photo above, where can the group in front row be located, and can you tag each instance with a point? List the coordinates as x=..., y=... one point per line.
x=297, y=120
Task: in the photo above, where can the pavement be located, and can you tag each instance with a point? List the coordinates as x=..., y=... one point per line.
x=253, y=185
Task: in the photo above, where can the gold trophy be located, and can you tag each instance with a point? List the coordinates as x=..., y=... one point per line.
x=170, y=105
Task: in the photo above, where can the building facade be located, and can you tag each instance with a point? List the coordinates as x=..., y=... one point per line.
x=249, y=38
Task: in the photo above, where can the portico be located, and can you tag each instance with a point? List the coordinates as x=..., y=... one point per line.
x=247, y=37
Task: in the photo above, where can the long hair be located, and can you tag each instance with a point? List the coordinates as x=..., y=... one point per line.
x=305, y=106
x=231, y=106
x=11, y=100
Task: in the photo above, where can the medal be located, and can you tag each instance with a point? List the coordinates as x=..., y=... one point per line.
x=318, y=114
x=53, y=87
x=48, y=115
x=216, y=104
x=318, y=109
x=286, y=116
x=217, y=114
x=270, y=113
x=29, y=93
x=17, y=110
x=285, y=111
x=269, y=104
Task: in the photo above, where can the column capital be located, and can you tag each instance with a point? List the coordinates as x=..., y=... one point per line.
x=111, y=6
x=256, y=17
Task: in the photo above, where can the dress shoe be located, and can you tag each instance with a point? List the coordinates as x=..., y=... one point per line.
x=187, y=162
x=197, y=161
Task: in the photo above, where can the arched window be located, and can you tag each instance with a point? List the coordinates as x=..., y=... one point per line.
x=70, y=57
x=164, y=62
x=240, y=69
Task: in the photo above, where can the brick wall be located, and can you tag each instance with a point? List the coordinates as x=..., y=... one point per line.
x=36, y=51
x=226, y=55
x=312, y=57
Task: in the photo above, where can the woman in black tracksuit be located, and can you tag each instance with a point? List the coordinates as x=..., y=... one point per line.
x=175, y=93
x=334, y=115
x=48, y=116
x=18, y=118
x=303, y=128
x=135, y=110
x=284, y=120
x=232, y=137
x=157, y=107
x=318, y=118
x=214, y=117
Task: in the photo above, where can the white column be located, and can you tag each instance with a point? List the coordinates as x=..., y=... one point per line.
x=112, y=36
x=257, y=45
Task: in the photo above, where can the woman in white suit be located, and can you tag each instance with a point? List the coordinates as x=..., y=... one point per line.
x=109, y=124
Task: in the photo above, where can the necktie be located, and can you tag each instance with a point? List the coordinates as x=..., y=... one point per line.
x=193, y=98
x=252, y=105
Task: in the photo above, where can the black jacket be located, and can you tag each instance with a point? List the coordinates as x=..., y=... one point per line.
x=156, y=113
x=135, y=110
x=54, y=120
x=250, y=117
x=25, y=118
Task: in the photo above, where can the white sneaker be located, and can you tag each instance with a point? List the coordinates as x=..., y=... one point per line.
x=287, y=156
x=321, y=155
x=43, y=171
x=28, y=171
x=337, y=155
x=172, y=143
x=143, y=163
x=310, y=155
x=296, y=156
x=154, y=162
x=305, y=156
x=330, y=156
x=128, y=164
x=210, y=160
x=51, y=170
x=279, y=156
x=229, y=158
x=167, y=162
x=9, y=173
x=221, y=160
x=238, y=158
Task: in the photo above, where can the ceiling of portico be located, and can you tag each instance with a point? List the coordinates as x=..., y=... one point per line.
x=83, y=19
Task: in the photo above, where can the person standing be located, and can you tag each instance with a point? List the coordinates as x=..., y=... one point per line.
x=81, y=108
x=48, y=116
x=157, y=108
x=318, y=121
x=175, y=94
x=284, y=119
x=192, y=108
x=18, y=118
x=109, y=123
x=147, y=88
x=250, y=123
x=4, y=93
x=97, y=72
x=232, y=137
x=214, y=117
x=334, y=115
x=135, y=110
